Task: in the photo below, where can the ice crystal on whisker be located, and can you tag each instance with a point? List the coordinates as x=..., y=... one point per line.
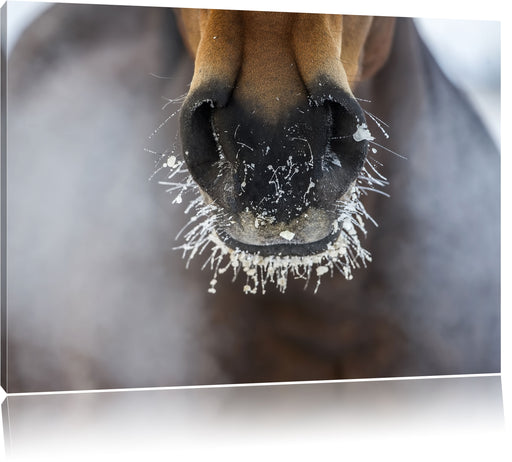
x=200, y=238
x=343, y=255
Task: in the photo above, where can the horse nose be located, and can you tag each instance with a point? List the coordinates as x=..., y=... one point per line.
x=280, y=165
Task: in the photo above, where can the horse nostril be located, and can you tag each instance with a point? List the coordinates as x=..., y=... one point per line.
x=343, y=149
x=201, y=150
x=344, y=155
x=197, y=137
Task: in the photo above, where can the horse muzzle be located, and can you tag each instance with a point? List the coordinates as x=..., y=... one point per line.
x=278, y=178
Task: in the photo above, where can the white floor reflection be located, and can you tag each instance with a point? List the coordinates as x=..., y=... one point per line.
x=430, y=417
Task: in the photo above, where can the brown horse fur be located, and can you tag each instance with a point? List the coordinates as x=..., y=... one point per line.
x=348, y=48
x=98, y=298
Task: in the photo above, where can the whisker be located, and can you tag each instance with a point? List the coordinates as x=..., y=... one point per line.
x=387, y=149
x=178, y=100
x=378, y=191
x=375, y=118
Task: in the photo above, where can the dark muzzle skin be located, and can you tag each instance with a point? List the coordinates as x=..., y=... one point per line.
x=273, y=151
x=278, y=170
x=243, y=160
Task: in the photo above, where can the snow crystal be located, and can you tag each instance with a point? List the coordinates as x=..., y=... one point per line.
x=362, y=133
x=321, y=270
x=288, y=235
x=171, y=162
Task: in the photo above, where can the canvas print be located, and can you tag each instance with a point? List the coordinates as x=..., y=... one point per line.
x=199, y=197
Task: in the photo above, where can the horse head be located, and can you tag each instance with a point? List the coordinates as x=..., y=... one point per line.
x=271, y=130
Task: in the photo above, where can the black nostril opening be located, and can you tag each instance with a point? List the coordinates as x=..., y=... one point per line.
x=200, y=147
x=344, y=154
x=197, y=136
x=343, y=149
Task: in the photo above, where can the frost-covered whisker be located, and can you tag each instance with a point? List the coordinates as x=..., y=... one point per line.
x=159, y=160
x=169, y=117
x=179, y=100
x=383, y=181
x=368, y=183
x=343, y=255
x=207, y=221
x=387, y=149
x=362, y=99
x=375, y=190
x=378, y=122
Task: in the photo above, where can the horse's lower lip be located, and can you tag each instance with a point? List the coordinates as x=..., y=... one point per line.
x=291, y=249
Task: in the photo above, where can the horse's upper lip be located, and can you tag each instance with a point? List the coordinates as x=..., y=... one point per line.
x=308, y=234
